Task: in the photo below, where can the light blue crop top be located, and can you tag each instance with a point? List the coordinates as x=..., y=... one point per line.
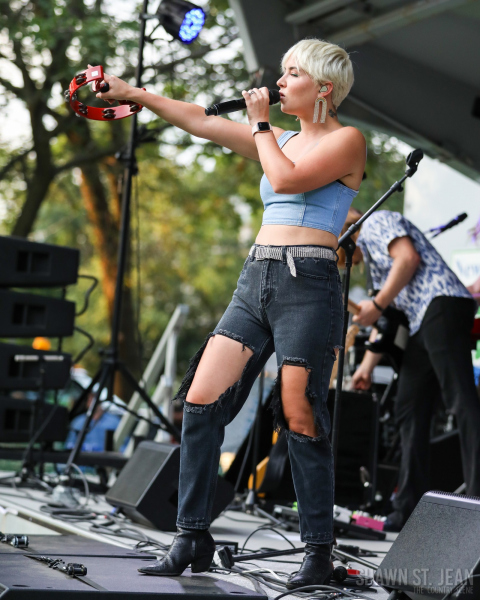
x=324, y=208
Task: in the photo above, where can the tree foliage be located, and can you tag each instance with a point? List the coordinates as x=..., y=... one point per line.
x=195, y=207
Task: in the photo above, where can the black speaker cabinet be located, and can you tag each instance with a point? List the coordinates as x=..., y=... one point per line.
x=147, y=488
x=29, y=315
x=437, y=549
x=446, y=472
x=20, y=368
x=16, y=421
x=31, y=264
x=357, y=446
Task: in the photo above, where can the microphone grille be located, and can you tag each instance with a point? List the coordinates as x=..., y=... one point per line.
x=274, y=96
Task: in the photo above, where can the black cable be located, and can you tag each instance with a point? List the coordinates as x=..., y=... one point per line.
x=71, y=515
x=277, y=586
x=145, y=544
x=341, y=554
x=322, y=588
x=91, y=342
x=262, y=528
x=278, y=560
x=87, y=293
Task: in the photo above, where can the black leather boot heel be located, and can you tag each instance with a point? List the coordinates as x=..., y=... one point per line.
x=202, y=564
x=190, y=547
x=316, y=568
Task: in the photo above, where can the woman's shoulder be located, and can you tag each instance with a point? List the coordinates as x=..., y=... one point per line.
x=349, y=143
x=352, y=134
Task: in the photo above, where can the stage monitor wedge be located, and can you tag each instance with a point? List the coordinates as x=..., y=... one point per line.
x=437, y=549
x=32, y=264
x=147, y=488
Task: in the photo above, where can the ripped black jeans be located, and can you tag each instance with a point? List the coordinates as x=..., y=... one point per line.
x=301, y=319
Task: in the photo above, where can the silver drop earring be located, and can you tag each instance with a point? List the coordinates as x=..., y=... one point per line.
x=324, y=88
x=317, y=110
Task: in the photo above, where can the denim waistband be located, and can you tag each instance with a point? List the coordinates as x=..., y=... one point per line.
x=288, y=253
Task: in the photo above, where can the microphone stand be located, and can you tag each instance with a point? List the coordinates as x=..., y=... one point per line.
x=346, y=242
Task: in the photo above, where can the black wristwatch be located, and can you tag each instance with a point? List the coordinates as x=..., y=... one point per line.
x=261, y=127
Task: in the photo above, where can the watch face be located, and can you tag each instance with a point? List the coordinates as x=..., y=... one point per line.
x=263, y=126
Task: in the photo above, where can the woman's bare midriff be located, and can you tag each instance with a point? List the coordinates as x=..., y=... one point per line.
x=291, y=235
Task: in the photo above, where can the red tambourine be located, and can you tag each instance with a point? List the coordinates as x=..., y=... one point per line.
x=95, y=75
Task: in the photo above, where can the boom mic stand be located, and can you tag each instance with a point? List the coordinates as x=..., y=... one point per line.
x=111, y=363
x=347, y=243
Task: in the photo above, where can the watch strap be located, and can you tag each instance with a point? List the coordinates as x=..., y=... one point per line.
x=261, y=127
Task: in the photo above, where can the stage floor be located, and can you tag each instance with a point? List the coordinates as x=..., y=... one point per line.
x=20, y=512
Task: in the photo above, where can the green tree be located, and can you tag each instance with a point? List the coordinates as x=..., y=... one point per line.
x=196, y=207
x=45, y=44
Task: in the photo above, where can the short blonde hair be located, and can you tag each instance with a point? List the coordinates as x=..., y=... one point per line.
x=323, y=62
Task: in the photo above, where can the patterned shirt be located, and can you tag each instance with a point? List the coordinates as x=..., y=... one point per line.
x=431, y=279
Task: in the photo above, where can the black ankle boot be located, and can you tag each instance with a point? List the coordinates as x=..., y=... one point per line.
x=316, y=568
x=193, y=547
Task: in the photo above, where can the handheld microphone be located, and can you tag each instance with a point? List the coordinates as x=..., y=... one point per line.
x=222, y=108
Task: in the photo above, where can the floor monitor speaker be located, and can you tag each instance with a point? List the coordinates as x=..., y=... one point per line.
x=438, y=548
x=147, y=488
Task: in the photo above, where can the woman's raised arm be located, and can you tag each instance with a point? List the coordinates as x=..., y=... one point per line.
x=189, y=117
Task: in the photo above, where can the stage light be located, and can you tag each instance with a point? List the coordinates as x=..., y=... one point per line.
x=181, y=19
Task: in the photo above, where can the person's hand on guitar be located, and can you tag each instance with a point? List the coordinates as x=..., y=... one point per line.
x=362, y=379
x=367, y=314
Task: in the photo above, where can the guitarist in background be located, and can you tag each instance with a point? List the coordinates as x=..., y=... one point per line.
x=409, y=272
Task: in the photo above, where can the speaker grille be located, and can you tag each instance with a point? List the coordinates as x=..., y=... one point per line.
x=438, y=547
x=133, y=482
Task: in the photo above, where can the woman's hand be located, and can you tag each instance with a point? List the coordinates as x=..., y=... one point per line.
x=119, y=89
x=258, y=105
